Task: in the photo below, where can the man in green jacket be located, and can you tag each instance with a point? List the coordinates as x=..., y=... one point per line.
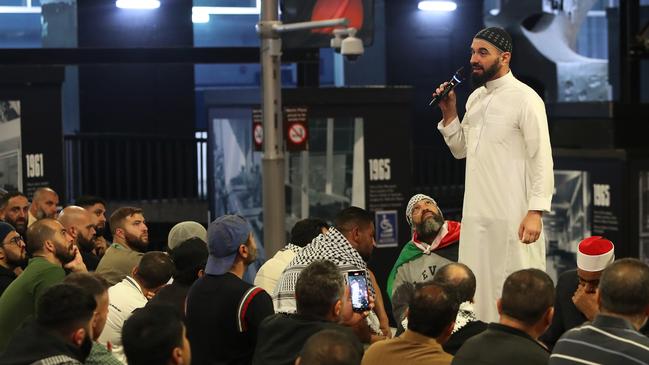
x=51, y=250
x=433, y=245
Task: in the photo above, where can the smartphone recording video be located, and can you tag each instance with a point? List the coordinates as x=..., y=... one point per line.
x=358, y=290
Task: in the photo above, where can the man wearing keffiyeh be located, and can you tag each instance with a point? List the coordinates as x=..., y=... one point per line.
x=433, y=245
x=349, y=245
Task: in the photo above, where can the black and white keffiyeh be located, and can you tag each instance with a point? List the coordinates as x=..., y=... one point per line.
x=332, y=246
x=292, y=247
x=465, y=315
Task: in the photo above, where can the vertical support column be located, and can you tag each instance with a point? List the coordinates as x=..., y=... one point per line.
x=358, y=175
x=304, y=188
x=273, y=160
x=329, y=162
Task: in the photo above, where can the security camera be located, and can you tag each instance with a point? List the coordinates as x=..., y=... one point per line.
x=352, y=48
x=346, y=43
x=337, y=41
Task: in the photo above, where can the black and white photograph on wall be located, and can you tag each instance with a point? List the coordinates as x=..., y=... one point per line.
x=236, y=177
x=568, y=222
x=643, y=239
x=10, y=144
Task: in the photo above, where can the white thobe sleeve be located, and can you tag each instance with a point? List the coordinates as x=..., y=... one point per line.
x=454, y=137
x=534, y=125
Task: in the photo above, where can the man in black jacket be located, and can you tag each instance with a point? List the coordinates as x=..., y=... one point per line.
x=61, y=333
x=322, y=303
x=12, y=254
x=461, y=281
x=525, y=310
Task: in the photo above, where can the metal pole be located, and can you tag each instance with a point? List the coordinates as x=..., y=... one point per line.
x=273, y=160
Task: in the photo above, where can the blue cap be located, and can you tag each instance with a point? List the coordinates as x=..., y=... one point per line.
x=224, y=236
x=5, y=229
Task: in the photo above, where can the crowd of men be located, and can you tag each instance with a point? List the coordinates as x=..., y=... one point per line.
x=67, y=297
x=474, y=292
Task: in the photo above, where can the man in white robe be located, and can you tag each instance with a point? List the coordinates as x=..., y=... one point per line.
x=509, y=178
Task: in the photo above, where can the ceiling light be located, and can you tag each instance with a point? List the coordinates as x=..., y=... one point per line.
x=138, y=4
x=200, y=17
x=442, y=6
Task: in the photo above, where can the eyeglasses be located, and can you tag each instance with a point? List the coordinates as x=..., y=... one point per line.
x=18, y=241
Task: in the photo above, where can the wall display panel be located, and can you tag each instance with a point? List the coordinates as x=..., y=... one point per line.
x=10, y=145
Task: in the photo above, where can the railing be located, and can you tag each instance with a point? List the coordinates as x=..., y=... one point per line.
x=135, y=167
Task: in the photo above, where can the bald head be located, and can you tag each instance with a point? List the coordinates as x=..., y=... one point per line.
x=459, y=278
x=79, y=224
x=73, y=215
x=44, y=203
x=39, y=232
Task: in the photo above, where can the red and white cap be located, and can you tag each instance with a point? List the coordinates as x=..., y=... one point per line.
x=595, y=253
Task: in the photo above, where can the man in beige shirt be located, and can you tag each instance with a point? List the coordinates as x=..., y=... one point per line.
x=431, y=317
x=130, y=240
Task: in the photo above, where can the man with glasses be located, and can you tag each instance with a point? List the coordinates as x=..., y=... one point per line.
x=575, y=301
x=12, y=255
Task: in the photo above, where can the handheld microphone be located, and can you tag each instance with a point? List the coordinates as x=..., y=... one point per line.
x=452, y=83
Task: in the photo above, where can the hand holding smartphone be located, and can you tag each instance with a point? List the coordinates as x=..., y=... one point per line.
x=357, y=281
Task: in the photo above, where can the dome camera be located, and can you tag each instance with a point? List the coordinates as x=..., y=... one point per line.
x=351, y=46
x=337, y=41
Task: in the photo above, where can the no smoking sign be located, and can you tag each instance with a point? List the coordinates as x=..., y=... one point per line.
x=297, y=130
x=297, y=133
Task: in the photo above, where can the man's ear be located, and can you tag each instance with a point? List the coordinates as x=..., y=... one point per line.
x=549, y=314
x=2, y=254
x=48, y=245
x=78, y=336
x=200, y=273
x=177, y=356
x=243, y=251
x=507, y=57
x=355, y=233
x=499, y=306
x=72, y=231
x=119, y=232
x=337, y=308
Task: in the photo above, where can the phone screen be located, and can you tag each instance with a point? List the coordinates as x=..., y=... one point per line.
x=358, y=290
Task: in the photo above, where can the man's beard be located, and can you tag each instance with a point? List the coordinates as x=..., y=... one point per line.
x=429, y=227
x=136, y=242
x=15, y=261
x=84, y=244
x=63, y=253
x=487, y=75
x=40, y=214
x=19, y=224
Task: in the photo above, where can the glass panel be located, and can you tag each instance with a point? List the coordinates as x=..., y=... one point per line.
x=569, y=220
x=327, y=191
x=30, y=24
